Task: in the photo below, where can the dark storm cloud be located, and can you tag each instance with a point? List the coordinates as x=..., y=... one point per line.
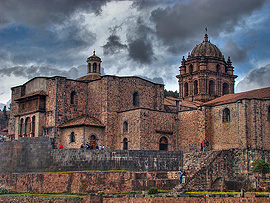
x=60, y=47
x=113, y=45
x=256, y=78
x=32, y=71
x=185, y=21
x=146, y=4
x=157, y=80
x=238, y=54
x=140, y=50
x=40, y=12
x=140, y=39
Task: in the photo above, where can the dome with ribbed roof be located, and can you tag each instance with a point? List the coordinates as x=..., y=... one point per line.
x=206, y=49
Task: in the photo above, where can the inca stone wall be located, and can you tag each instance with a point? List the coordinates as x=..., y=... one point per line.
x=91, y=182
x=37, y=155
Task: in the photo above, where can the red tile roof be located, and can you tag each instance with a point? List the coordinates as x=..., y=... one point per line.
x=263, y=93
x=83, y=121
x=171, y=101
x=89, y=77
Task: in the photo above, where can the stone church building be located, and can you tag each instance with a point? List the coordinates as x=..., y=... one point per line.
x=131, y=113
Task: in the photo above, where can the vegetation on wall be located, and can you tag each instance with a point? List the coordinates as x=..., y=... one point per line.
x=260, y=166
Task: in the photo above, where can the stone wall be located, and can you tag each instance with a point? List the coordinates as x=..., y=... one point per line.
x=191, y=130
x=91, y=182
x=145, y=129
x=37, y=155
x=249, y=126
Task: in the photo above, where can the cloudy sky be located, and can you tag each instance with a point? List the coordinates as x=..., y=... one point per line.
x=141, y=37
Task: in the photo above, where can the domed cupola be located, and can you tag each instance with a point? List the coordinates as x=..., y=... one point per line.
x=205, y=75
x=93, y=68
x=206, y=49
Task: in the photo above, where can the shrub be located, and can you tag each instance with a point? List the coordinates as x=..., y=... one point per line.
x=152, y=190
x=260, y=166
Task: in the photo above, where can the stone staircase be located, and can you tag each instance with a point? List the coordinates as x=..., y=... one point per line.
x=193, y=165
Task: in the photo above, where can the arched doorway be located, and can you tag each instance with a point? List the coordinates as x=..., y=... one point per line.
x=125, y=144
x=163, y=144
x=27, y=127
x=21, y=127
x=93, y=141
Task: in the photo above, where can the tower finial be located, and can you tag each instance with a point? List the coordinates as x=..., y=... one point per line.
x=94, y=52
x=206, y=38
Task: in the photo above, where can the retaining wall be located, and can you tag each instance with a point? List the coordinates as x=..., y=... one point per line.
x=37, y=155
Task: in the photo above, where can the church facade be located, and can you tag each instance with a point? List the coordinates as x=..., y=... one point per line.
x=131, y=113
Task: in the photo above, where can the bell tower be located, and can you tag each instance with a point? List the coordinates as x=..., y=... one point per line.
x=205, y=75
x=93, y=66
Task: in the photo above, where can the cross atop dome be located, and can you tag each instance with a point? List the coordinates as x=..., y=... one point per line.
x=206, y=37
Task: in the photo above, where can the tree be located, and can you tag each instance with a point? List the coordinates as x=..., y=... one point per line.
x=260, y=166
x=5, y=112
x=170, y=93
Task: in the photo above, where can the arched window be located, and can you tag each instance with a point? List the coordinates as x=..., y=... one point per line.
x=218, y=68
x=93, y=143
x=136, y=99
x=186, y=89
x=94, y=68
x=211, y=87
x=195, y=87
x=125, y=144
x=163, y=144
x=226, y=115
x=21, y=127
x=191, y=69
x=225, y=88
x=226, y=69
x=73, y=97
x=27, y=127
x=89, y=67
x=125, y=126
x=33, y=126
x=72, y=137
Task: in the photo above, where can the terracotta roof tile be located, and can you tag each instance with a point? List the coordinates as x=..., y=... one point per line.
x=89, y=77
x=263, y=93
x=83, y=121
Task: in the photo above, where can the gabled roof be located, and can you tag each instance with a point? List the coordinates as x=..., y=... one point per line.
x=263, y=93
x=84, y=120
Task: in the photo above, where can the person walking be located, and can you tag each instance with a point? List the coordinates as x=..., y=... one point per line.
x=184, y=177
x=180, y=177
x=203, y=145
